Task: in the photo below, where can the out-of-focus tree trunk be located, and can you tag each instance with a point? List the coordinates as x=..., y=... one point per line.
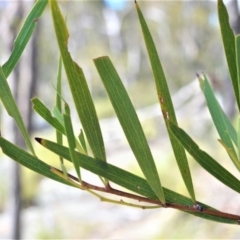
x=14, y=207
x=22, y=83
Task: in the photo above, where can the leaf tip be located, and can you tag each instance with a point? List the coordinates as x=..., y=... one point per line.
x=40, y=140
x=200, y=80
x=136, y=4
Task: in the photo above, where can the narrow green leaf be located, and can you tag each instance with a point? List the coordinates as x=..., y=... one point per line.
x=166, y=103
x=82, y=141
x=59, y=87
x=228, y=39
x=128, y=180
x=57, y=122
x=79, y=89
x=218, y=117
x=28, y=160
x=58, y=115
x=24, y=36
x=237, y=44
x=71, y=139
x=44, y=112
x=12, y=109
x=130, y=122
x=206, y=161
x=58, y=108
x=114, y=174
x=231, y=130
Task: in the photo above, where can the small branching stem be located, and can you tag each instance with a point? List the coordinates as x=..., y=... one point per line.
x=157, y=204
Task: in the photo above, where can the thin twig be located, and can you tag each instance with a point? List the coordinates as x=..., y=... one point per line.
x=191, y=209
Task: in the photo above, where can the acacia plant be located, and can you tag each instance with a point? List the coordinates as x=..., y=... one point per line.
x=148, y=191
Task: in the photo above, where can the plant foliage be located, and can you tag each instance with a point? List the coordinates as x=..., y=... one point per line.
x=149, y=189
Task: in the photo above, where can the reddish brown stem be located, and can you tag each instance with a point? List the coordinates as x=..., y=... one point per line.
x=192, y=209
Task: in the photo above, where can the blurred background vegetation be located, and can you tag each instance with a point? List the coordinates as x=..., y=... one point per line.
x=188, y=39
